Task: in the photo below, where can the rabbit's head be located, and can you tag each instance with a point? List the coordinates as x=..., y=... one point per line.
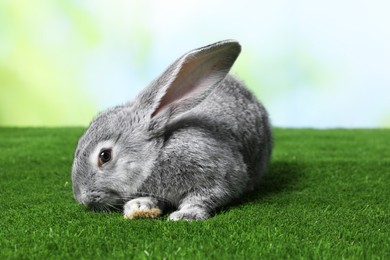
x=117, y=152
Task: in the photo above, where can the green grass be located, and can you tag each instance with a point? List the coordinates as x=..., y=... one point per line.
x=326, y=195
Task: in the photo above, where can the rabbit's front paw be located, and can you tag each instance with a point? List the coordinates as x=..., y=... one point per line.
x=190, y=213
x=144, y=207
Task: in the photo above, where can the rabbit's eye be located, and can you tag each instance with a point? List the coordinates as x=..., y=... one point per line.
x=104, y=156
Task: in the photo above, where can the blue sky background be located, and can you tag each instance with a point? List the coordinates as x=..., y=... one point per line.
x=320, y=64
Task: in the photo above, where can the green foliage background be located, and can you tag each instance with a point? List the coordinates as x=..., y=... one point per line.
x=39, y=77
x=62, y=61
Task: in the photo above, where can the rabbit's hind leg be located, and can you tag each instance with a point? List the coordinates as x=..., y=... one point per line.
x=191, y=208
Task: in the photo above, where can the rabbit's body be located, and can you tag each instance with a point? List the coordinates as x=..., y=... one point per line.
x=205, y=154
x=196, y=148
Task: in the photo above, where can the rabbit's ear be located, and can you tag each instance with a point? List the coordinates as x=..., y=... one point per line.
x=193, y=73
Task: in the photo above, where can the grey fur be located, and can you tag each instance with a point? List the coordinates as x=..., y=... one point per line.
x=195, y=139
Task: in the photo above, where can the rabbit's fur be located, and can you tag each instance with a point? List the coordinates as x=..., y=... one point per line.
x=194, y=139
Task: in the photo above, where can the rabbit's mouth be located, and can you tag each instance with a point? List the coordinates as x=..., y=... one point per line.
x=111, y=201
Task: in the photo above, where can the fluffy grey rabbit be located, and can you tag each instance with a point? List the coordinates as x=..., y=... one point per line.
x=193, y=140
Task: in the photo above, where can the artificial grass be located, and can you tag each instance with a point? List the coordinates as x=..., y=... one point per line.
x=326, y=195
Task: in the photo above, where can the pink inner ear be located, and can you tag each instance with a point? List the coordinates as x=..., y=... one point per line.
x=198, y=70
x=193, y=78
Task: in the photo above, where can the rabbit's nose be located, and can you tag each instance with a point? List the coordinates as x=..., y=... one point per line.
x=84, y=198
x=80, y=195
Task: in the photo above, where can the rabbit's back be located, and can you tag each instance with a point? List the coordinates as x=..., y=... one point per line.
x=239, y=116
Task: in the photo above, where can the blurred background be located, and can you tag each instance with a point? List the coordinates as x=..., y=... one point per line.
x=320, y=64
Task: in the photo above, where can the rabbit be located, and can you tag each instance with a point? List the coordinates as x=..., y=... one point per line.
x=192, y=141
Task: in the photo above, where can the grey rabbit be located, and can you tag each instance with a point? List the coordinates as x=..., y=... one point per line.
x=193, y=140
